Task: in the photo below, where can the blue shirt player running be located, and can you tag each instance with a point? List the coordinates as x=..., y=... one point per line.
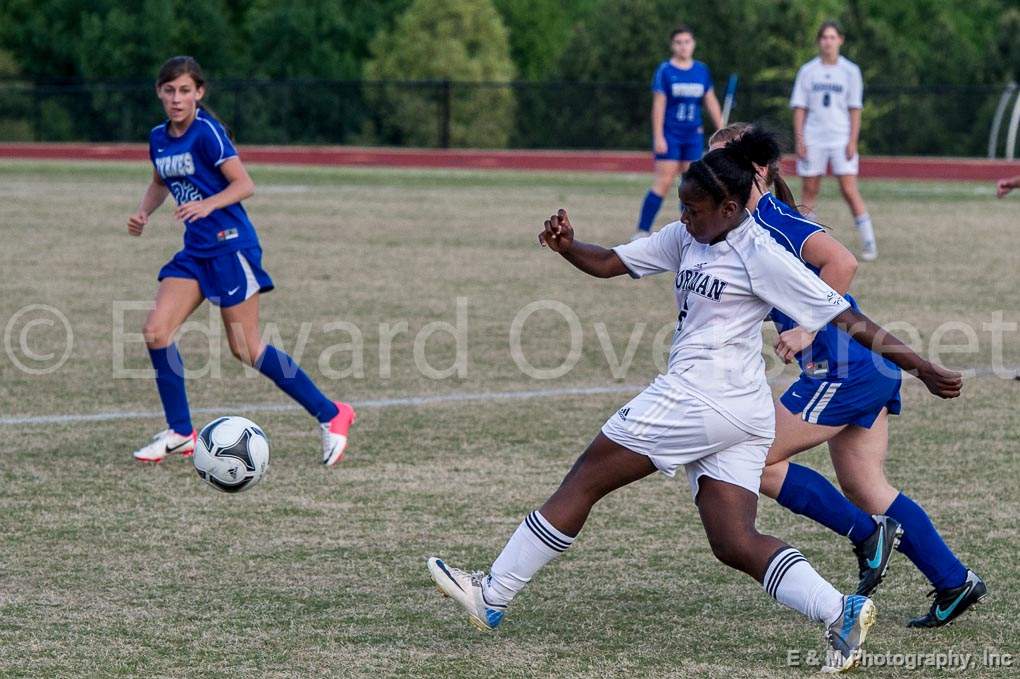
x=844, y=396
x=195, y=161
x=680, y=87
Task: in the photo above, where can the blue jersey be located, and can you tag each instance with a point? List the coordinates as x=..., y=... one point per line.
x=834, y=355
x=684, y=89
x=189, y=165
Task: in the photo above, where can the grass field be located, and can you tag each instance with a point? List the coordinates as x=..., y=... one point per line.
x=109, y=568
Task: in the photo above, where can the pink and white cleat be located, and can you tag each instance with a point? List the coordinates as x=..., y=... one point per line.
x=334, y=434
x=167, y=442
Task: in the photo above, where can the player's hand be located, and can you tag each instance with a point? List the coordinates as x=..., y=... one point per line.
x=196, y=209
x=660, y=145
x=801, y=149
x=792, y=342
x=851, y=150
x=1002, y=187
x=137, y=222
x=940, y=381
x=558, y=234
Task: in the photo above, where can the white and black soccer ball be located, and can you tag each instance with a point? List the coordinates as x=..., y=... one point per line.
x=232, y=454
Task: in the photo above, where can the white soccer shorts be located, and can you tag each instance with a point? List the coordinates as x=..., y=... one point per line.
x=821, y=157
x=673, y=429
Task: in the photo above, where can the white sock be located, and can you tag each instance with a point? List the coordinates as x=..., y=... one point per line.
x=534, y=544
x=864, y=227
x=791, y=581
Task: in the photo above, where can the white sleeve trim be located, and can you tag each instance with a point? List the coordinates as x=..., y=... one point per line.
x=219, y=140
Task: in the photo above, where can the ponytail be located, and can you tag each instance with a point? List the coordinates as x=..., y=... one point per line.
x=782, y=189
x=212, y=114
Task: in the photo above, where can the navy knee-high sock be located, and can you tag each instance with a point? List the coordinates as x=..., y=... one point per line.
x=649, y=208
x=288, y=376
x=923, y=545
x=170, y=384
x=810, y=494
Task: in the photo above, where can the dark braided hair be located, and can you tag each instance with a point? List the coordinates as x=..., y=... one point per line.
x=729, y=172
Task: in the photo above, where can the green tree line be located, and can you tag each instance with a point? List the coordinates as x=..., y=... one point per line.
x=350, y=71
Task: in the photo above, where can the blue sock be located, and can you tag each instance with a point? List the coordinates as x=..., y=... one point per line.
x=924, y=546
x=808, y=493
x=649, y=209
x=170, y=383
x=288, y=375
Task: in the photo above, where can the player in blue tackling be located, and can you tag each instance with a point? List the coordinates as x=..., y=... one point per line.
x=194, y=159
x=680, y=87
x=844, y=397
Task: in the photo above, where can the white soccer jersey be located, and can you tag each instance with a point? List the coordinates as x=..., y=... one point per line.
x=724, y=292
x=828, y=93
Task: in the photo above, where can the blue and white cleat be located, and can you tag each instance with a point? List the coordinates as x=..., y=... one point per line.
x=846, y=634
x=466, y=589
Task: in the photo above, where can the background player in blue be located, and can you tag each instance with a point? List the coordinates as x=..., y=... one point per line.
x=844, y=397
x=194, y=159
x=680, y=87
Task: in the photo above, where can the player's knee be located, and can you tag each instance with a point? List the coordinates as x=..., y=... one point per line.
x=156, y=333
x=772, y=478
x=734, y=547
x=246, y=352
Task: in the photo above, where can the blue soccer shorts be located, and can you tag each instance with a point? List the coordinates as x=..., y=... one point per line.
x=225, y=280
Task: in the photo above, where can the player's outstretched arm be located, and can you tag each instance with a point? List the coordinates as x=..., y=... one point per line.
x=1005, y=185
x=154, y=196
x=940, y=381
x=595, y=260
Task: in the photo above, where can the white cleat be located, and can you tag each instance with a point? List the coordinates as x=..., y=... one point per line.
x=167, y=442
x=869, y=251
x=639, y=234
x=846, y=634
x=466, y=589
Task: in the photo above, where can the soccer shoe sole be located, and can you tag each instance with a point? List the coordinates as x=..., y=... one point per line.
x=446, y=595
x=866, y=619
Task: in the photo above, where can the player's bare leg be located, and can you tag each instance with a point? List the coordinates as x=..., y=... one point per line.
x=244, y=337
x=602, y=468
x=242, y=325
x=852, y=196
x=544, y=534
x=793, y=436
x=810, y=187
x=812, y=495
x=728, y=514
x=176, y=299
x=662, y=185
x=859, y=455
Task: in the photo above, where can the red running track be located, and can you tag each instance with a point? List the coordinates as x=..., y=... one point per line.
x=876, y=167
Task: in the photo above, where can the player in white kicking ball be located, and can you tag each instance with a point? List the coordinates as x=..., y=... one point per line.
x=711, y=412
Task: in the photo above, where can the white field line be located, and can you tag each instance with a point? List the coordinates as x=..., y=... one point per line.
x=455, y=397
x=433, y=399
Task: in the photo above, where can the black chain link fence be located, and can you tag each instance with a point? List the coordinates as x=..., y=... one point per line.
x=897, y=120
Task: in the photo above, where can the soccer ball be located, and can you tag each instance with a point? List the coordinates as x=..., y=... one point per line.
x=232, y=454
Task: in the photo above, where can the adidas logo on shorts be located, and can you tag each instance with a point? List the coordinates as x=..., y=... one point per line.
x=623, y=413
